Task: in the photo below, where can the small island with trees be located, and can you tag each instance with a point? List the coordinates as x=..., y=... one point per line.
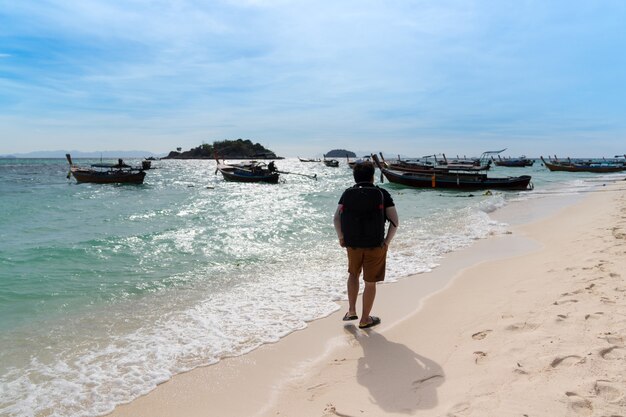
x=340, y=153
x=225, y=149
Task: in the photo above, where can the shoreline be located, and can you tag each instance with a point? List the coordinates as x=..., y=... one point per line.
x=296, y=373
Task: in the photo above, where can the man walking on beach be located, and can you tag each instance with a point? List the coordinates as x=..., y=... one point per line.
x=360, y=225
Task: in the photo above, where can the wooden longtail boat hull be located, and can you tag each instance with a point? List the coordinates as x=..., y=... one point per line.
x=457, y=181
x=83, y=175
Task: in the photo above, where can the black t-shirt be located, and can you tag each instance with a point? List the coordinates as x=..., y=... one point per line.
x=387, y=200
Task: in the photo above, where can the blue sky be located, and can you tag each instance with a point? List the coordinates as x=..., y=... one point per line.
x=303, y=77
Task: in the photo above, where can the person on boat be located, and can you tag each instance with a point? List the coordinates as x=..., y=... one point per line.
x=271, y=167
x=359, y=221
x=120, y=164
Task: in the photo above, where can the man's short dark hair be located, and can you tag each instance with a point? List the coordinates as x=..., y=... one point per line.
x=363, y=171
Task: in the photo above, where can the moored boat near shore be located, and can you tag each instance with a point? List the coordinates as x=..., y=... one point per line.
x=426, y=166
x=104, y=173
x=249, y=173
x=522, y=161
x=454, y=180
x=482, y=163
x=440, y=163
x=351, y=164
x=598, y=166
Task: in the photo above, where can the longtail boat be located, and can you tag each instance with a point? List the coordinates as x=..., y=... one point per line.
x=442, y=164
x=453, y=179
x=585, y=166
x=426, y=166
x=104, y=173
x=309, y=160
x=351, y=164
x=249, y=173
x=331, y=163
x=522, y=161
x=482, y=163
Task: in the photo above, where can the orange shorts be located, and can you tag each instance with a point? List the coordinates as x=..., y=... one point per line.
x=371, y=260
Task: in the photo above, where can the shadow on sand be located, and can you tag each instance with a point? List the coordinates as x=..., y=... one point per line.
x=398, y=379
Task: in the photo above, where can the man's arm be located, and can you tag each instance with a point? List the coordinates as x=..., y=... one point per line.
x=394, y=222
x=337, y=223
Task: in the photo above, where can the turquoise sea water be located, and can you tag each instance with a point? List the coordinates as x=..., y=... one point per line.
x=108, y=290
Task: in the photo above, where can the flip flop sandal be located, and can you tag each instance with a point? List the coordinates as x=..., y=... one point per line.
x=375, y=321
x=349, y=317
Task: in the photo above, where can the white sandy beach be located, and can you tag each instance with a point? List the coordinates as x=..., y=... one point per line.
x=532, y=323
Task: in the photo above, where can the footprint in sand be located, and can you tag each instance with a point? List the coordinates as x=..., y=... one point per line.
x=317, y=390
x=517, y=327
x=607, y=300
x=561, y=317
x=566, y=360
x=613, y=353
x=481, y=335
x=567, y=294
x=614, y=339
x=561, y=302
x=330, y=410
x=596, y=315
x=520, y=369
x=479, y=356
x=608, y=391
x=459, y=410
x=426, y=381
x=579, y=405
x=599, y=266
x=617, y=234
